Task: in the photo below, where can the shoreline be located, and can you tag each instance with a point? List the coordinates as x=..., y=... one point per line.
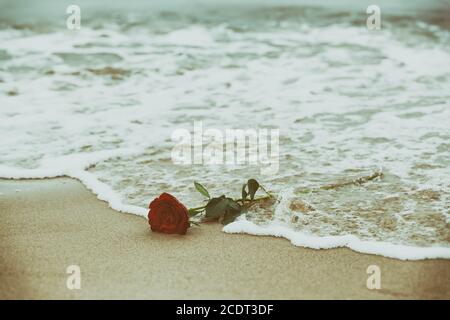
x=50, y=224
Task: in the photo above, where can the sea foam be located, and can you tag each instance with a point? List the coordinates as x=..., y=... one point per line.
x=385, y=249
x=100, y=104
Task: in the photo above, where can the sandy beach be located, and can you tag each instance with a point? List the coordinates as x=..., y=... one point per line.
x=47, y=225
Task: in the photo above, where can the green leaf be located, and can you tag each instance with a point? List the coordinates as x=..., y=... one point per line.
x=233, y=204
x=230, y=215
x=223, y=208
x=216, y=207
x=253, y=186
x=202, y=190
x=194, y=212
x=244, y=192
x=232, y=211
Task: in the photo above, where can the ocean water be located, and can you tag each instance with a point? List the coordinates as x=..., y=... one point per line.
x=100, y=104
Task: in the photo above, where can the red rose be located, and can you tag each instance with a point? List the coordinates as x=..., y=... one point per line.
x=168, y=215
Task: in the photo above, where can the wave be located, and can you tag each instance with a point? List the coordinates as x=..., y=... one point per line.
x=386, y=249
x=100, y=106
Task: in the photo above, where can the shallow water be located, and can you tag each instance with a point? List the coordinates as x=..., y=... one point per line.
x=100, y=104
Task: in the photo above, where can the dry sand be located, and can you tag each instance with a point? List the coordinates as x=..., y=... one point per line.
x=47, y=225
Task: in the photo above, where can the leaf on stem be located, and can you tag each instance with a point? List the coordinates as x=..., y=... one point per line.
x=215, y=207
x=230, y=215
x=202, y=189
x=253, y=186
x=232, y=211
x=224, y=209
x=194, y=212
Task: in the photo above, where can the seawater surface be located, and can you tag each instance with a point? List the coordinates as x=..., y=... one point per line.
x=100, y=104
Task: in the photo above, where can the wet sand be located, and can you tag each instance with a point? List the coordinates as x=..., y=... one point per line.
x=47, y=225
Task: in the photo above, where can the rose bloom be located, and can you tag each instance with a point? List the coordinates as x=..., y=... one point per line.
x=168, y=215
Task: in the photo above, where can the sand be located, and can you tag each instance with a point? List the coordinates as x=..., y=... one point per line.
x=47, y=225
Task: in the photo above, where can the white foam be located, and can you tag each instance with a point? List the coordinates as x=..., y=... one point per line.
x=106, y=193
x=63, y=165
x=75, y=166
x=299, y=239
x=192, y=36
x=102, y=190
x=320, y=85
